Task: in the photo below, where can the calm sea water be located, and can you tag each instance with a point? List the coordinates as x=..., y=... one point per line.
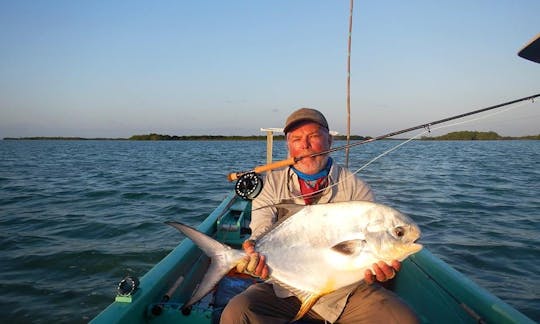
x=77, y=216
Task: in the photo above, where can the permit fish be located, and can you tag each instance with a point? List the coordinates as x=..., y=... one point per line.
x=317, y=250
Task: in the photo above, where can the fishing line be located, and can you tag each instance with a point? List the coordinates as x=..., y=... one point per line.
x=291, y=161
x=428, y=130
x=249, y=183
x=427, y=125
x=483, y=116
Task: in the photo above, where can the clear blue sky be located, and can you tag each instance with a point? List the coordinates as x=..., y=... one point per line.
x=118, y=68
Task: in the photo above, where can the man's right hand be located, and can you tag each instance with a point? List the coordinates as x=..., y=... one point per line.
x=253, y=263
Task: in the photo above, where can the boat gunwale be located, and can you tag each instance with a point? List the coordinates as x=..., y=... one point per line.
x=155, y=282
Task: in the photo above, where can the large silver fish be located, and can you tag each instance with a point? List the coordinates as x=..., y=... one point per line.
x=319, y=249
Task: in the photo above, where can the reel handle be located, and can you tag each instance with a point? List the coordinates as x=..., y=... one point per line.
x=263, y=168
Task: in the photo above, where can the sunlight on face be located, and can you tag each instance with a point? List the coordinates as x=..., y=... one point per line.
x=307, y=139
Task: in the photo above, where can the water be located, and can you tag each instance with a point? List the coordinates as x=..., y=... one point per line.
x=77, y=216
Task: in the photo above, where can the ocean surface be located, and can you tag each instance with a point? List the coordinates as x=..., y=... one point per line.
x=78, y=216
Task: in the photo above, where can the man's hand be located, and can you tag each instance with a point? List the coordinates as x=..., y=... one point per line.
x=253, y=263
x=383, y=272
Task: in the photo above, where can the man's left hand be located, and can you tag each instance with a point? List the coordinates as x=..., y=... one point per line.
x=382, y=272
x=253, y=263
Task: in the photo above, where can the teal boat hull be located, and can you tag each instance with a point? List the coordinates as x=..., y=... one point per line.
x=437, y=292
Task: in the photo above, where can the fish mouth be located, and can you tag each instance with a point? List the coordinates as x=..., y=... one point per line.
x=416, y=247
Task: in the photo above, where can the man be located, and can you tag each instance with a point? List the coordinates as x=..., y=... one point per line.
x=311, y=180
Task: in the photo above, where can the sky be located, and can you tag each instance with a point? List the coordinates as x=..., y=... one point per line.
x=120, y=68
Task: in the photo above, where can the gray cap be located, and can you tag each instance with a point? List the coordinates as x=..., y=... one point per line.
x=304, y=115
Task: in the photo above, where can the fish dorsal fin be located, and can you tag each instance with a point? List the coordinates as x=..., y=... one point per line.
x=285, y=207
x=350, y=247
x=286, y=210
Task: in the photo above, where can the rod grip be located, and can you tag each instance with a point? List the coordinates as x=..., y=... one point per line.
x=263, y=168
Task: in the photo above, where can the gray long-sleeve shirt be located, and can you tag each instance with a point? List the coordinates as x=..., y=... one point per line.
x=282, y=185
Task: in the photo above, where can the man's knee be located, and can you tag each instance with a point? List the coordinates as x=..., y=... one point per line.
x=397, y=311
x=235, y=309
x=374, y=304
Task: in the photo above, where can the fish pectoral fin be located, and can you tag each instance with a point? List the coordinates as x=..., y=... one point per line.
x=350, y=247
x=307, y=304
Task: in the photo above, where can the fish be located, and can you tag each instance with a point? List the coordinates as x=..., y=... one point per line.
x=318, y=249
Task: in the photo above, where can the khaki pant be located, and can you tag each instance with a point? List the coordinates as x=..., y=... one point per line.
x=367, y=304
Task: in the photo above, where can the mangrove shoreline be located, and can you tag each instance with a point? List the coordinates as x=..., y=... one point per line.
x=454, y=136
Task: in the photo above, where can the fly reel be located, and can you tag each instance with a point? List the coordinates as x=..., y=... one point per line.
x=126, y=288
x=249, y=185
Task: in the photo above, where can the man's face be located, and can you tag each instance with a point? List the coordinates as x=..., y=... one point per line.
x=309, y=138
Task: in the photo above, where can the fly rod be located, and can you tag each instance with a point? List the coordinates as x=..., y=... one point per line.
x=292, y=160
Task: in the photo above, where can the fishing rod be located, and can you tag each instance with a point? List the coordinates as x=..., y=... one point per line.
x=249, y=182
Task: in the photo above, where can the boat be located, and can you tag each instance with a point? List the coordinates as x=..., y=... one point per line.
x=437, y=292
x=531, y=51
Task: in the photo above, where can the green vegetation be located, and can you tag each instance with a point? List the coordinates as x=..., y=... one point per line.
x=159, y=137
x=60, y=138
x=352, y=138
x=477, y=136
x=455, y=136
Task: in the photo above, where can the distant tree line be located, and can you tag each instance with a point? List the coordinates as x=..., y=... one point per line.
x=477, y=136
x=159, y=137
x=61, y=138
x=454, y=136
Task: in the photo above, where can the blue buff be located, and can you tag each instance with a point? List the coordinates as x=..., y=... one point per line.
x=312, y=177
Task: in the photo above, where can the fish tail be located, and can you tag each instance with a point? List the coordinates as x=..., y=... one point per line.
x=223, y=257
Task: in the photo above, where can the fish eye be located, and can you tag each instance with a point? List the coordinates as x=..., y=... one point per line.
x=399, y=231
